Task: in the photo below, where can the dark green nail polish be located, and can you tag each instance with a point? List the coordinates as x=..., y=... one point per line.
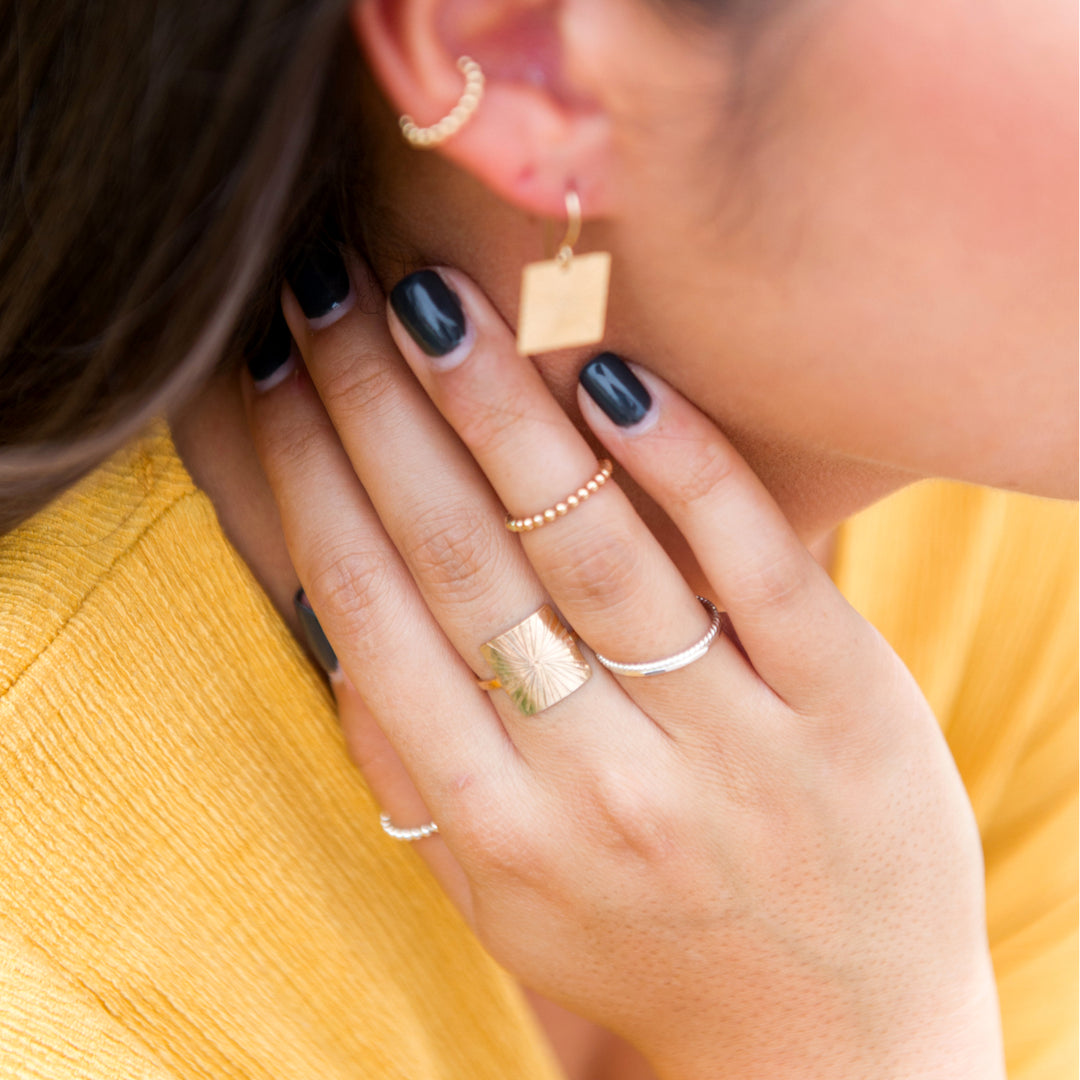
x=430, y=310
x=316, y=639
x=320, y=281
x=273, y=352
x=616, y=389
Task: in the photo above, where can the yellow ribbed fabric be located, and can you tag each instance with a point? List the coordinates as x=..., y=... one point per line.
x=193, y=883
x=976, y=590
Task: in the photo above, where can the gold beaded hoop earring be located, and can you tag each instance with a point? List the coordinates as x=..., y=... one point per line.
x=423, y=138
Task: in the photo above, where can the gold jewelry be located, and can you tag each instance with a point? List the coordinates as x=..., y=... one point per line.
x=561, y=509
x=423, y=138
x=537, y=663
x=671, y=663
x=564, y=299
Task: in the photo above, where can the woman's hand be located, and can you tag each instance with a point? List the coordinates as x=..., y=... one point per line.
x=762, y=864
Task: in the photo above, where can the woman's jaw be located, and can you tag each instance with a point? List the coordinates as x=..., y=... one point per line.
x=852, y=273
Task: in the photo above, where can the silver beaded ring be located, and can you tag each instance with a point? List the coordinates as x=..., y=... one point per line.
x=408, y=835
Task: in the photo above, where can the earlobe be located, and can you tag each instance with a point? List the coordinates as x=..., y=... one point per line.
x=526, y=135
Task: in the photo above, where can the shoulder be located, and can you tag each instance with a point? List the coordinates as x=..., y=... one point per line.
x=52, y=564
x=182, y=835
x=54, y=1026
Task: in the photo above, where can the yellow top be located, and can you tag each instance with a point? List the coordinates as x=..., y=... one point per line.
x=193, y=882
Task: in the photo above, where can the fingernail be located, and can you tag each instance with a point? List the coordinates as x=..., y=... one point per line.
x=274, y=358
x=321, y=284
x=430, y=310
x=616, y=389
x=316, y=639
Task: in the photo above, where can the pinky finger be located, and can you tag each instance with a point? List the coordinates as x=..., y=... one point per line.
x=371, y=751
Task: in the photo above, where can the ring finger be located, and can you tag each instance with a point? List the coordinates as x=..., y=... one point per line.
x=370, y=608
x=440, y=512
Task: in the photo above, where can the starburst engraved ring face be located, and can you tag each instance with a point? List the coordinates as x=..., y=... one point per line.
x=537, y=662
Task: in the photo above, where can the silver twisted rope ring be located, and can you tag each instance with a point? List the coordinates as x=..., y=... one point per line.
x=670, y=663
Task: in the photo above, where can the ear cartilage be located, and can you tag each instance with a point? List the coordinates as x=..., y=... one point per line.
x=424, y=138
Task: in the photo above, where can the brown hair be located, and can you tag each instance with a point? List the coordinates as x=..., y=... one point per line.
x=159, y=159
x=154, y=157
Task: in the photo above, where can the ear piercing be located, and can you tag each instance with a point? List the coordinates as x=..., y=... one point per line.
x=423, y=138
x=563, y=300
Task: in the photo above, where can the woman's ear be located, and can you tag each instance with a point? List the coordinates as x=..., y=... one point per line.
x=543, y=123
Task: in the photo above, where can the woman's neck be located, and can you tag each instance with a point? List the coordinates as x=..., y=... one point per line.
x=214, y=443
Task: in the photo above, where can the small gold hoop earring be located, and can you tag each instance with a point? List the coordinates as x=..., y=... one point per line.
x=423, y=138
x=565, y=251
x=564, y=299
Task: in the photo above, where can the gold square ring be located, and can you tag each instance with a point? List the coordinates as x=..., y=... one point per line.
x=537, y=663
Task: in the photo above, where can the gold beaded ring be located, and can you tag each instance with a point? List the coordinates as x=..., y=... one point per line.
x=423, y=138
x=561, y=509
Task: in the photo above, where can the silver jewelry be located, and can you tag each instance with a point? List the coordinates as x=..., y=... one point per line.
x=408, y=835
x=670, y=663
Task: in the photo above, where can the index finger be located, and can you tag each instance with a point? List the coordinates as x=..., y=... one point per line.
x=798, y=629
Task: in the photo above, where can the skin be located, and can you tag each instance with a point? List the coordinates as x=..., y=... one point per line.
x=764, y=862
x=882, y=276
x=881, y=285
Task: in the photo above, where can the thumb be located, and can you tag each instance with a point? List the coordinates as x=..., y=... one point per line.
x=383, y=770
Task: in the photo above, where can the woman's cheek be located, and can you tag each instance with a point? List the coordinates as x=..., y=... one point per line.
x=974, y=110
x=924, y=159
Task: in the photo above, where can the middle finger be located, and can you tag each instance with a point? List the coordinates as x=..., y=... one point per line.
x=440, y=512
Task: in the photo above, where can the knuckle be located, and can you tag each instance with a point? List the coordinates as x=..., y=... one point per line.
x=706, y=470
x=628, y=813
x=496, y=851
x=368, y=748
x=358, y=383
x=600, y=569
x=772, y=584
x=490, y=838
x=487, y=425
x=853, y=729
x=356, y=589
x=455, y=552
x=286, y=447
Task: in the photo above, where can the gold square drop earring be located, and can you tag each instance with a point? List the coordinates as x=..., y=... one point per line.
x=564, y=299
